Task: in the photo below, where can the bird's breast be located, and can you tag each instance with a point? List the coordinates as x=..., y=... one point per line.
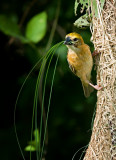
x=80, y=63
x=74, y=63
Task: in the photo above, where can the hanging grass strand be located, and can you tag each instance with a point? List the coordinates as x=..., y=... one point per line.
x=48, y=108
x=44, y=58
x=36, y=90
x=15, y=128
x=50, y=52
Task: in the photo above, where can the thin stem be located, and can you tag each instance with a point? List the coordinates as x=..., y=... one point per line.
x=25, y=14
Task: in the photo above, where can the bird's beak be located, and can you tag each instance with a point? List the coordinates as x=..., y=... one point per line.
x=65, y=43
x=68, y=41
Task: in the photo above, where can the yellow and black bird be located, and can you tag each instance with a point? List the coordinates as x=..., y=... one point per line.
x=80, y=61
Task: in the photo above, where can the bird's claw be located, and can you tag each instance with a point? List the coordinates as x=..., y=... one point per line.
x=97, y=87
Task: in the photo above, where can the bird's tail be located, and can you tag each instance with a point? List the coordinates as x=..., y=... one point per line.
x=87, y=89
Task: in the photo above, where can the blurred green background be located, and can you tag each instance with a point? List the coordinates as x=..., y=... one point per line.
x=70, y=117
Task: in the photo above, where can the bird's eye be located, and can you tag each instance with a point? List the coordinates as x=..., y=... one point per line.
x=75, y=39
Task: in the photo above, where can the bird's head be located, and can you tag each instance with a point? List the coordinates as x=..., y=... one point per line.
x=73, y=40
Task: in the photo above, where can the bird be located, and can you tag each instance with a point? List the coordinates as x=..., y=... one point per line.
x=80, y=61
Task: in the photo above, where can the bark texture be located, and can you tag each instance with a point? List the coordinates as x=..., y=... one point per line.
x=102, y=145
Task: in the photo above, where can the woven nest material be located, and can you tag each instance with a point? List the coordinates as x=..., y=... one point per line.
x=102, y=145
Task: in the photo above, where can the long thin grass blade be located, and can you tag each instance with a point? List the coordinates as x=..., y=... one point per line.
x=48, y=108
x=44, y=58
x=36, y=94
x=44, y=92
x=15, y=129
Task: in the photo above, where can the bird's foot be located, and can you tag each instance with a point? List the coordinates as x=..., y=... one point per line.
x=97, y=87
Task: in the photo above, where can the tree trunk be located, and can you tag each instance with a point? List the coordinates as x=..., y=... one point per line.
x=102, y=145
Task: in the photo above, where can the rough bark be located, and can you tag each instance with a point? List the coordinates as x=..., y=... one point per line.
x=102, y=145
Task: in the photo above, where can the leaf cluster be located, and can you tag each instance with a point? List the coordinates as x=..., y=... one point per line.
x=91, y=9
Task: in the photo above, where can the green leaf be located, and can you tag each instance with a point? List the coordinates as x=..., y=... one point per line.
x=95, y=8
x=10, y=28
x=84, y=4
x=30, y=148
x=34, y=144
x=87, y=3
x=76, y=6
x=82, y=22
x=95, y=11
x=36, y=27
x=102, y=3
